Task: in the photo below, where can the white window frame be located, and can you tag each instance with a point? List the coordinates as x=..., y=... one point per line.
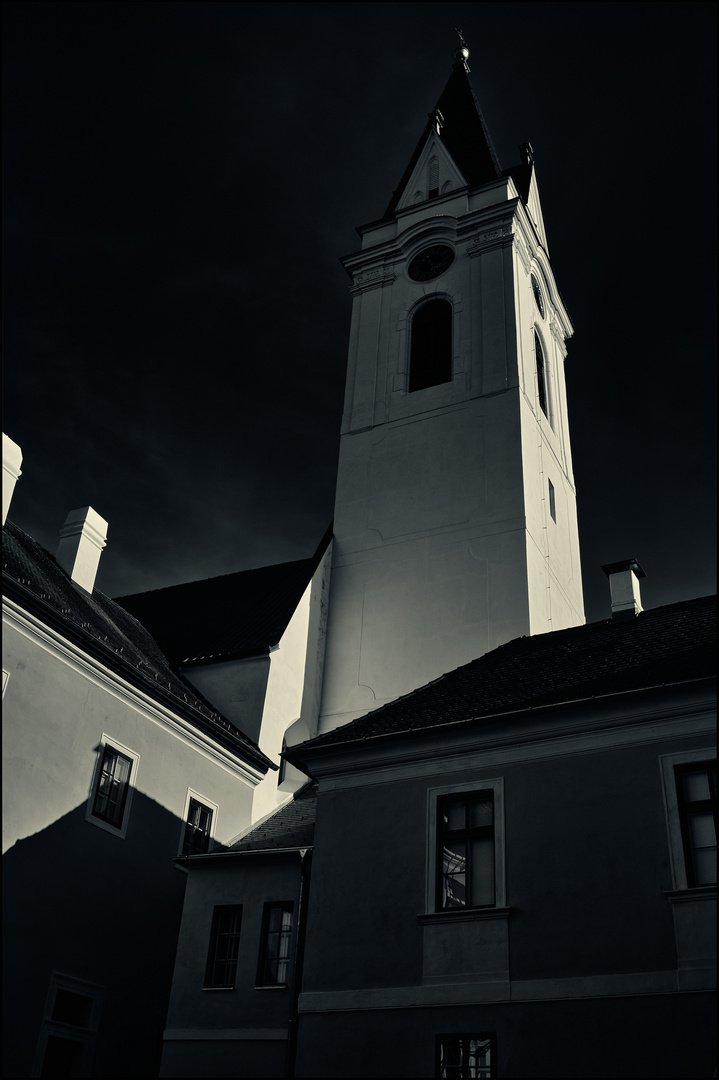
x=84, y=1035
x=667, y=765
x=213, y=806
x=5, y=680
x=108, y=740
x=434, y=794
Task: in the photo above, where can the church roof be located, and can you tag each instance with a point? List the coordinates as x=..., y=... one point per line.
x=655, y=648
x=292, y=826
x=106, y=631
x=226, y=617
x=464, y=133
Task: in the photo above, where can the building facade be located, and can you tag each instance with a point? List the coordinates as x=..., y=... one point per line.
x=111, y=767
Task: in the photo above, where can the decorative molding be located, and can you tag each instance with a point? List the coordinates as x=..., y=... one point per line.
x=366, y=279
x=480, y=242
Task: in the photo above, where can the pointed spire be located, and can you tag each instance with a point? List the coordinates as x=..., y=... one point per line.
x=459, y=122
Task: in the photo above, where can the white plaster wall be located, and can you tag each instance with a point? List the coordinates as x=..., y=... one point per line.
x=54, y=717
x=283, y=701
x=236, y=688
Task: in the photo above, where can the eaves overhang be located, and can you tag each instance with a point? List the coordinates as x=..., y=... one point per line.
x=531, y=720
x=216, y=727
x=214, y=856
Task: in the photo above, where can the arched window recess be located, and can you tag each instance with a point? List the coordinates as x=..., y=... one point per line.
x=430, y=360
x=542, y=387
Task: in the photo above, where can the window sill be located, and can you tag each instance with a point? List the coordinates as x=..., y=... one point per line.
x=700, y=892
x=275, y=986
x=214, y=989
x=464, y=915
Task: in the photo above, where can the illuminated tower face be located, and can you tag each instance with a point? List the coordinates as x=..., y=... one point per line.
x=455, y=517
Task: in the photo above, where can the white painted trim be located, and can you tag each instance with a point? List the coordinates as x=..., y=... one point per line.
x=5, y=680
x=496, y=784
x=72, y=655
x=667, y=764
x=108, y=740
x=225, y=1034
x=213, y=806
x=84, y=1035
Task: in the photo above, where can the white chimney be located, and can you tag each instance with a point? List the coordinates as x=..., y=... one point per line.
x=82, y=538
x=624, y=587
x=11, y=462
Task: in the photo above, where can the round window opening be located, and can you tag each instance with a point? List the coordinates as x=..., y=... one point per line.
x=538, y=298
x=430, y=263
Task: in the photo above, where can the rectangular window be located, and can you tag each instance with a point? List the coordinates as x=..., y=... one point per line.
x=224, y=947
x=465, y=851
x=696, y=799
x=552, y=503
x=465, y=1055
x=67, y=1035
x=197, y=829
x=273, y=968
x=112, y=787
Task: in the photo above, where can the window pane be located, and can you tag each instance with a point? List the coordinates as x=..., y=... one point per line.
x=482, y=878
x=705, y=866
x=455, y=815
x=701, y=830
x=481, y=812
x=72, y=1008
x=696, y=786
x=63, y=1057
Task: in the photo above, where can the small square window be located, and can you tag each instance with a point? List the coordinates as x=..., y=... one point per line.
x=197, y=829
x=552, y=503
x=465, y=1056
x=224, y=947
x=277, y=925
x=697, y=802
x=465, y=851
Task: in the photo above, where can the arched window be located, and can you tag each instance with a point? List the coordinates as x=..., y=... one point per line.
x=433, y=184
x=541, y=374
x=431, y=349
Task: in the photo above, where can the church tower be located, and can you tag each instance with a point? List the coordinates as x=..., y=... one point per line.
x=455, y=516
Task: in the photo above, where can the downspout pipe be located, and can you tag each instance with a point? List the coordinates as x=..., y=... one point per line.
x=292, y=1040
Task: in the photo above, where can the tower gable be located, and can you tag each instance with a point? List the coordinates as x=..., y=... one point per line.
x=436, y=173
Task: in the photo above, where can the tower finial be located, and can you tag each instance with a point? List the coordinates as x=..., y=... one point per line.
x=462, y=53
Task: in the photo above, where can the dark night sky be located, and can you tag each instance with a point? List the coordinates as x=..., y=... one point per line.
x=180, y=180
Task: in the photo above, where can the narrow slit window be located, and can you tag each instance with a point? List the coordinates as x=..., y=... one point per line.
x=431, y=346
x=224, y=947
x=541, y=374
x=552, y=501
x=433, y=178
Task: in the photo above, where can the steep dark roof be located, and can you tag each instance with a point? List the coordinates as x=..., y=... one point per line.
x=292, y=826
x=661, y=646
x=106, y=631
x=464, y=133
x=225, y=617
